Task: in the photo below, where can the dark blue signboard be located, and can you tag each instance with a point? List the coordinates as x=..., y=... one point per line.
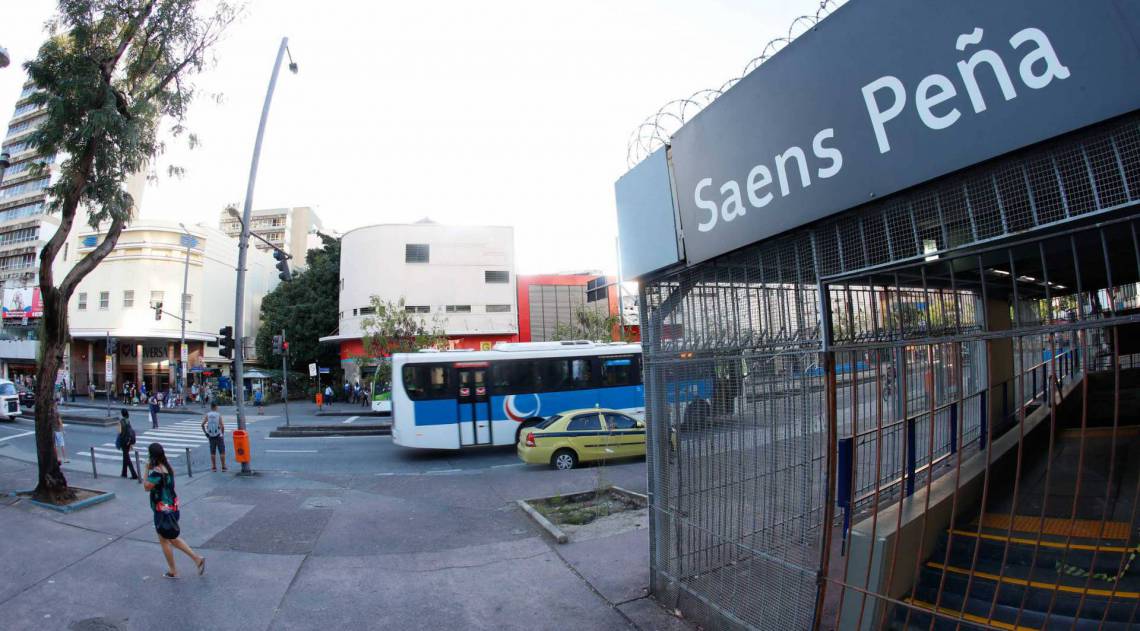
x=883, y=95
x=647, y=218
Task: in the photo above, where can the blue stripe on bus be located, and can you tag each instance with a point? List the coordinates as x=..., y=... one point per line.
x=446, y=411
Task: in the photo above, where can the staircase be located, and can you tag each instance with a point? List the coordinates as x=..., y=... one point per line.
x=1046, y=569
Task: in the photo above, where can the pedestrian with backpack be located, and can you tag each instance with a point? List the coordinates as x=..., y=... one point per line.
x=215, y=429
x=164, y=504
x=125, y=441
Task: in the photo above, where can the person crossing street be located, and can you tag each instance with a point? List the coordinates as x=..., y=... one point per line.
x=215, y=429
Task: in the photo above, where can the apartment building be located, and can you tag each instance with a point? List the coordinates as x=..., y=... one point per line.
x=290, y=229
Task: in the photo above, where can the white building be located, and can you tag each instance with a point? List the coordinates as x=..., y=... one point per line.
x=459, y=277
x=290, y=229
x=146, y=267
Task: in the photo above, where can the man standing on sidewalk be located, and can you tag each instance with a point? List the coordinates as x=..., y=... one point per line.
x=215, y=429
x=153, y=406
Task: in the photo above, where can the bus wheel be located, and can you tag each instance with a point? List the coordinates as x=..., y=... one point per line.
x=523, y=426
x=564, y=459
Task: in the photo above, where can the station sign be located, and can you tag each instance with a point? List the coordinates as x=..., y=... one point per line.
x=882, y=96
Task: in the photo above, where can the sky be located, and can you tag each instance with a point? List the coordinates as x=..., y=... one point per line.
x=505, y=112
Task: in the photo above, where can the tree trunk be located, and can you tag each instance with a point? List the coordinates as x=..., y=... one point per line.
x=52, y=486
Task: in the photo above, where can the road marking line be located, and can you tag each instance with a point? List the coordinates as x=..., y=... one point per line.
x=291, y=451
x=504, y=466
x=17, y=435
x=431, y=471
x=350, y=419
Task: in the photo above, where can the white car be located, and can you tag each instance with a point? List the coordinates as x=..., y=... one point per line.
x=9, y=400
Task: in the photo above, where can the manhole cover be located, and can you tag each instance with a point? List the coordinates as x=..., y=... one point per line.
x=99, y=624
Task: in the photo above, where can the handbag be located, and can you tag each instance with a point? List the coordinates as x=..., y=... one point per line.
x=166, y=522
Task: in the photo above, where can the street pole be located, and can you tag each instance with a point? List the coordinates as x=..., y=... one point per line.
x=285, y=375
x=243, y=248
x=182, y=344
x=106, y=353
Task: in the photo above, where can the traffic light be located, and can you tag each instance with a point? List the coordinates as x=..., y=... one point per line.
x=157, y=311
x=282, y=265
x=277, y=345
x=226, y=342
x=112, y=345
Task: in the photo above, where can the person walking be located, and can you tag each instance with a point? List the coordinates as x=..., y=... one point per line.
x=60, y=449
x=164, y=504
x=328, y=394
x=214, y=427
x=258, y=400
x=125, y=441
x=153, y=406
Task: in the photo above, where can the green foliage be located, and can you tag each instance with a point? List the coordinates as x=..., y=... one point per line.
x=587, y=323
x=393, y=329
x=306, y=309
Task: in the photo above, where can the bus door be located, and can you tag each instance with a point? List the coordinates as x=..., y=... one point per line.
x=474, y=409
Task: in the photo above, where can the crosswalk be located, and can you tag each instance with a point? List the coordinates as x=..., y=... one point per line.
x=174, y=438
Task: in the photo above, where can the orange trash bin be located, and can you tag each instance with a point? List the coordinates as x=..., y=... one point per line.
x=241, y=445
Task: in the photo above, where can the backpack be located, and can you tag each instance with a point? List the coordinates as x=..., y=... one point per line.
x=130, y=436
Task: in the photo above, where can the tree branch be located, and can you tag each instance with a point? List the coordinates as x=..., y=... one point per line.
x=67, y=214
x=84, y=266
x=108, y=65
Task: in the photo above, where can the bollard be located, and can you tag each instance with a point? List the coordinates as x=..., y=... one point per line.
x=189, y=465
x=138, y=466
x=94, y=473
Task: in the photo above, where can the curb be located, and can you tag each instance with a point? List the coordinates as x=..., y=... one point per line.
x=77, y=420
x=102, y=496
x=541, y=520
x=368, y=413
x=317, y=431
x=133, y=408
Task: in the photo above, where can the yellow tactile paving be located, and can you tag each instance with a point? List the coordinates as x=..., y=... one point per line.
x=1084, y=528
x=1037, y=584
x=969, y=617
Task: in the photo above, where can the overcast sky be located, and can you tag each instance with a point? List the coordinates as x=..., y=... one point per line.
x=501, y=112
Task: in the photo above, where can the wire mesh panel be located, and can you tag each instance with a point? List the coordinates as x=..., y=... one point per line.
x=856, y=385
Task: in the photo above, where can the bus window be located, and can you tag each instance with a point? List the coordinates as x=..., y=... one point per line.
x=618, y=371
x=580, y=373
x=554, y=375
x=437, y=382
x=414, y=382
x=513, y=377
x=426, y=381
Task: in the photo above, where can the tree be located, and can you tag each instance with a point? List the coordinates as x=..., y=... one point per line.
x=109, y=73
x=587, y=324
x=393, y=329
x=305, y=308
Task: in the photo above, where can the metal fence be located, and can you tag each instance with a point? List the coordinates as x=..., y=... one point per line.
x=805, y=389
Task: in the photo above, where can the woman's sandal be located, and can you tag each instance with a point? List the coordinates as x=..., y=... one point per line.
x=202, y=566
x=169, y=575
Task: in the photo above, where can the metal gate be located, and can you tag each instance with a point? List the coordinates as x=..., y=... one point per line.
x=904, y=413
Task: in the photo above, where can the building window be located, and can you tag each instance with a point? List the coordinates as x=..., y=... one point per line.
x=496, y=276
x=155, y=297
x=458, y=308
x=597, y=290
x=417, y=308
x=128, y=298
x=83, y=301
x=187, y=300
x=104, y=300
x=417, y=253
x=367, y=311
x=498, y=308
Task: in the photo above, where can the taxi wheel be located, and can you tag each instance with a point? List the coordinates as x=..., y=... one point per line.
x=564, y=459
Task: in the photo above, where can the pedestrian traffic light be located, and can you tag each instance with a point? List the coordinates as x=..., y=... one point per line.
x=282, y=265
x=226, y=342
x=158, y=311
x=277, y=345
x=112, y=345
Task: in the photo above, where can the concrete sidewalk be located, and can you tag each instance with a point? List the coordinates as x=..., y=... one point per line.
x=290, y=551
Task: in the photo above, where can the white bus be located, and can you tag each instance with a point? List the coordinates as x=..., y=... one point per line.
x=456, y=399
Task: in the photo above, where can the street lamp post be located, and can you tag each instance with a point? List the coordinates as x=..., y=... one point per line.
x=243, y=243
x=183, y=352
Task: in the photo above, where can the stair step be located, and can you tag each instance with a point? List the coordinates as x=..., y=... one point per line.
x=1024, y=552
x=1058, y=526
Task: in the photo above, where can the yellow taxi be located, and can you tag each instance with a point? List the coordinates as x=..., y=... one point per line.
x=585, y=435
